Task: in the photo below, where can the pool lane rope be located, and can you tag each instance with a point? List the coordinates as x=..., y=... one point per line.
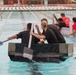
x=3, y=26
x=1, y=15
x=34, y=15
x=23, y=18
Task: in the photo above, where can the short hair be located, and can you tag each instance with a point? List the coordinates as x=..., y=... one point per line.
x=44, y=19
x=29, y=25
x=62, y=14
x=60, y=19
x=74, y=19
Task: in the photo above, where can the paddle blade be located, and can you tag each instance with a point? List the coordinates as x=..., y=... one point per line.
x=1, y=43
x=28, y=53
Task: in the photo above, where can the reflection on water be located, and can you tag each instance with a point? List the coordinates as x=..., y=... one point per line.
x=18, y=68
x=34, y=69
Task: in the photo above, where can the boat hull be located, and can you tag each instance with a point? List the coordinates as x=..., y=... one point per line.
x=41, y=53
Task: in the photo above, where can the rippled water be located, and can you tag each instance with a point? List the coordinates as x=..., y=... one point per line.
x=9, y=67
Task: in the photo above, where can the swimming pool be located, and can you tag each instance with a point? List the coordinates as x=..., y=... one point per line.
x=16, y=23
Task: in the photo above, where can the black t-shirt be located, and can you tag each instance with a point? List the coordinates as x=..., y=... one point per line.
x=50, y=36
x=59, y=36
x=62, y=25
x=24, y=35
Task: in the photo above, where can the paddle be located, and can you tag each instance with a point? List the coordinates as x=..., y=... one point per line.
x=28, y=53
x=1, y=42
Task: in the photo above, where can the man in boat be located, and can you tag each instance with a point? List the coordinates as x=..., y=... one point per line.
x=47, y=34
x=59, y=36
x=65, y=19
x=60, y=23
x=74, y=26
x=24, y=35
x=50, y=33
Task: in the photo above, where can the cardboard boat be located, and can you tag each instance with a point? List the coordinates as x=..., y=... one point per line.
x=41, y=53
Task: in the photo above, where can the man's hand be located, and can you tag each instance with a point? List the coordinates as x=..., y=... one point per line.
x=36, y=26
x=9, y=38
x=41, y=42
x=31, y=33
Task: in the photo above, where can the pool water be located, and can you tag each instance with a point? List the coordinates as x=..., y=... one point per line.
x=16, y=23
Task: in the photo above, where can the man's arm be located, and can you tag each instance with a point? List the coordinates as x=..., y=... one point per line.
x=38, y=36
x=37, y=27
x=55, y=17
x=12, y=37
x=57, y=21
